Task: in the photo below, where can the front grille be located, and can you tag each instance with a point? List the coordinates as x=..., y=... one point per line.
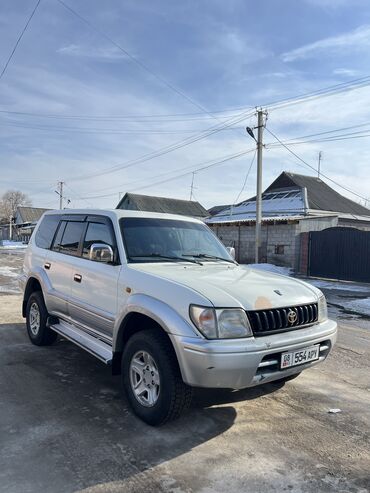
x=265, y=322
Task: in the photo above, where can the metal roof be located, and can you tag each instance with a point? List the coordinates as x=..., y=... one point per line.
x=29, y=214
x=162, y=204
x=293, y=194
x=319, y=195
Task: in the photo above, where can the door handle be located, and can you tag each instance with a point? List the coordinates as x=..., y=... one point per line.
x=77, y=277
x=47, y=265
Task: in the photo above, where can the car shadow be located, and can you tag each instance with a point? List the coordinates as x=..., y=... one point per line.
x=64, y=421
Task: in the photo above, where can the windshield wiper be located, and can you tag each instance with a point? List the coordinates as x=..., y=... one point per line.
x=167, y=257
x=214, y=257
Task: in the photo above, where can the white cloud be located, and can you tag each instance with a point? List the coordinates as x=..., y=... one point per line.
x=103, y=53
x=353, y=40
x=346, y=72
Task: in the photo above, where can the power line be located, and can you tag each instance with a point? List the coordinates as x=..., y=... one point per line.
x=349, y=136
x=19, y=39
x=329, y=131
x=138, y=62
x=313, y=168
x=324, y=92
x=186, y=168
x=202, y=168
x=102, y=131
x=162, y=151
x=153, y=118
x=246, y=178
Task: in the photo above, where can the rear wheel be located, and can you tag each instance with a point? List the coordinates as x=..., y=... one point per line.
x=151, y=378
x=36, y=317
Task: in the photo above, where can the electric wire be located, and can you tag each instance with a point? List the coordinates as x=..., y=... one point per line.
x=246, y=178
x=202, y=168
x=19, y=39
x=313, y=168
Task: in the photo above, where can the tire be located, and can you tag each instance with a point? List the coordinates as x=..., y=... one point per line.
x=36, y=317
x=287, y=379
x=168, y=396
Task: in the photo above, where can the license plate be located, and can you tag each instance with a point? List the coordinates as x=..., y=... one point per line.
x=299, y=357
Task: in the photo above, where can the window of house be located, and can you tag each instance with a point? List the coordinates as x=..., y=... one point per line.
x=279, y=249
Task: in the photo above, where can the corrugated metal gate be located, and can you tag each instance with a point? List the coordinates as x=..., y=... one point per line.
x=340, y=253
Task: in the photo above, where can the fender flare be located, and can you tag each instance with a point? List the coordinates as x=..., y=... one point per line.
x=39, y=275
x=162, y=313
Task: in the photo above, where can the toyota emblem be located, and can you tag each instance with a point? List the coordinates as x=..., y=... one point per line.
x=292, y=317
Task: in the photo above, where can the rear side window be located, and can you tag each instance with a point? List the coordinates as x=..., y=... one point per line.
x=97, y=233
x=71, y=237
x=59, y=236
x=46, y=231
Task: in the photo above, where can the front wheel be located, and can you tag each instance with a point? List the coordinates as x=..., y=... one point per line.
x=151, y=378
x=36, y=317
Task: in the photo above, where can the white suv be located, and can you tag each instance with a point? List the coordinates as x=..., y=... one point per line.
x=161, y=300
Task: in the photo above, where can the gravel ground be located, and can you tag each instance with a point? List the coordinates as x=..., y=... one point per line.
x=64, y=426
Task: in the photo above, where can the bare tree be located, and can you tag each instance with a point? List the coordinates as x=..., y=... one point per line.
x=10, y=201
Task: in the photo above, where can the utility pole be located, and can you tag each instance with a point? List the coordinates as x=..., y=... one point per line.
x=192, y=186
x=60, y=193
x=10, y=227
x=319, y=165
x=260, y=124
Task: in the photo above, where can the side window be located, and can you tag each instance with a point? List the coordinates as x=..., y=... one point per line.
x=58, y=236
x=45, y=233
x=97, y=233
x=71, y=237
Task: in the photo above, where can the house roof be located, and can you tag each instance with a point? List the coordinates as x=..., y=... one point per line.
x=282, y=203
x=216, y=209
x=165, y=205
x=293, y=194
x=29, y=214
x=319, y=195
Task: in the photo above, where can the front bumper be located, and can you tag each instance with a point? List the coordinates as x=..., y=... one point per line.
x=241, y=363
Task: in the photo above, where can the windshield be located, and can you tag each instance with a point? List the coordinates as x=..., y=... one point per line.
x=168, y=240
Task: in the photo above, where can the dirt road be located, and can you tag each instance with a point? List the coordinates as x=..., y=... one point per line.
x=65, y=428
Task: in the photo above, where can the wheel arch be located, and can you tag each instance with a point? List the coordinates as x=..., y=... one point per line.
x=133, y=322
x=33, y=284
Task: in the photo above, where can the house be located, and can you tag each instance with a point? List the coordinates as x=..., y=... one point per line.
x=293, y=207
x=25, y=221
x=135, y=202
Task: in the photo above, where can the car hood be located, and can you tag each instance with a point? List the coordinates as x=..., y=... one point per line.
x=235, y=285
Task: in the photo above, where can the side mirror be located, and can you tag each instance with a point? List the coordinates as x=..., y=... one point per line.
x=231, y=251
x=100, y=252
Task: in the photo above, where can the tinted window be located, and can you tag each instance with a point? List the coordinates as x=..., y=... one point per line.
x=71, y=237
x=59, y=235
x=97, y=233
x=45, y=233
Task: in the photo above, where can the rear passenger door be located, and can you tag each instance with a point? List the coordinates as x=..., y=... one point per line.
x=59, y=263
x=93, y=301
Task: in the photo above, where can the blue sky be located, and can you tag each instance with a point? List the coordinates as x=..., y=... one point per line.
x=220, y=55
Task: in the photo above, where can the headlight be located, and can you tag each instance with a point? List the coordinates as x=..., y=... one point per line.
x=223, y=323
x=323, y=309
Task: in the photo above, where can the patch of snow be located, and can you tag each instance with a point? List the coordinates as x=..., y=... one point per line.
x=359, y=306
x=9, y=271
x=9, y=289
x=276, y=269
x=319, y=283
x=14, y=247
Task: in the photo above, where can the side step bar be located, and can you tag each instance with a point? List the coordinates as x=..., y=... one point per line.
x=92, y=344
